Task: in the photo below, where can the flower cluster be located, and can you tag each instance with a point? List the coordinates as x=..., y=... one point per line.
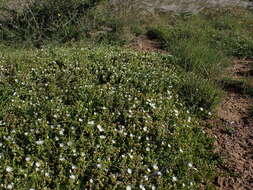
x=96, y=119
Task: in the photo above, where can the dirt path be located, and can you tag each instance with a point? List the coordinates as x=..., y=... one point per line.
x=233, y=130
x=143, y=43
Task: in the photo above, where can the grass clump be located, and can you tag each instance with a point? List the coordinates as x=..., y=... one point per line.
x=202, y=45
x=200, y=95
x=198, y=62
x=97, y=118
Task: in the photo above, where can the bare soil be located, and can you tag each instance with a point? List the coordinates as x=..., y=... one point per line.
x=143, y=43
x=233, y=129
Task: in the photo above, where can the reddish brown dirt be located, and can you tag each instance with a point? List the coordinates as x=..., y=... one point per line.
x=233, y=130
x=142, y=43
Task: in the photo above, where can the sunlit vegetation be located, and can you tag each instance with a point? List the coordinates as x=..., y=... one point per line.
x=79, y=110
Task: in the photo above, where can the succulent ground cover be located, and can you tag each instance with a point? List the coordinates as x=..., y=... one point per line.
x=77, y=112
x=100, y=118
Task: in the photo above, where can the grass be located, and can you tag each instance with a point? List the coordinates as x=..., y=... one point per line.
x=202, y=46
x=88, y=113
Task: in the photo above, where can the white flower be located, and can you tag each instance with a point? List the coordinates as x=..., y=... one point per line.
x=27, y=159
x=61, y=145
x=91, y=181
x=102, y=137
x=155, y=166
x=91, y=122
x=128, y=187
x=176, y=112
x=80, y=119
x=39, y=142
x=10, y=186
x=153, y=187
x=100, y=128
x=174, y=178
x=9, y=169
x=73, y=167
x=38, y=164
x=145, y=129
x=99, y=165
x=69, y=143
x=201, y=109
x=190, y=164
x=147, y=149
x=61, y=132
x=142, y=187
x=129, y=171
x=131, y=156
x=31, y=189
x=72, y=177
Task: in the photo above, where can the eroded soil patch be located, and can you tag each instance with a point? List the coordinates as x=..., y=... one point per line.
x=143, y=43
x=233, y=130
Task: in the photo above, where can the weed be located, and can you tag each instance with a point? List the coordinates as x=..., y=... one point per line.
x=229, y=130
x=199, y=94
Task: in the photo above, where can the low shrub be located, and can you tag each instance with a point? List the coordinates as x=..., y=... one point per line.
x=40, y=20
x=97, y=118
